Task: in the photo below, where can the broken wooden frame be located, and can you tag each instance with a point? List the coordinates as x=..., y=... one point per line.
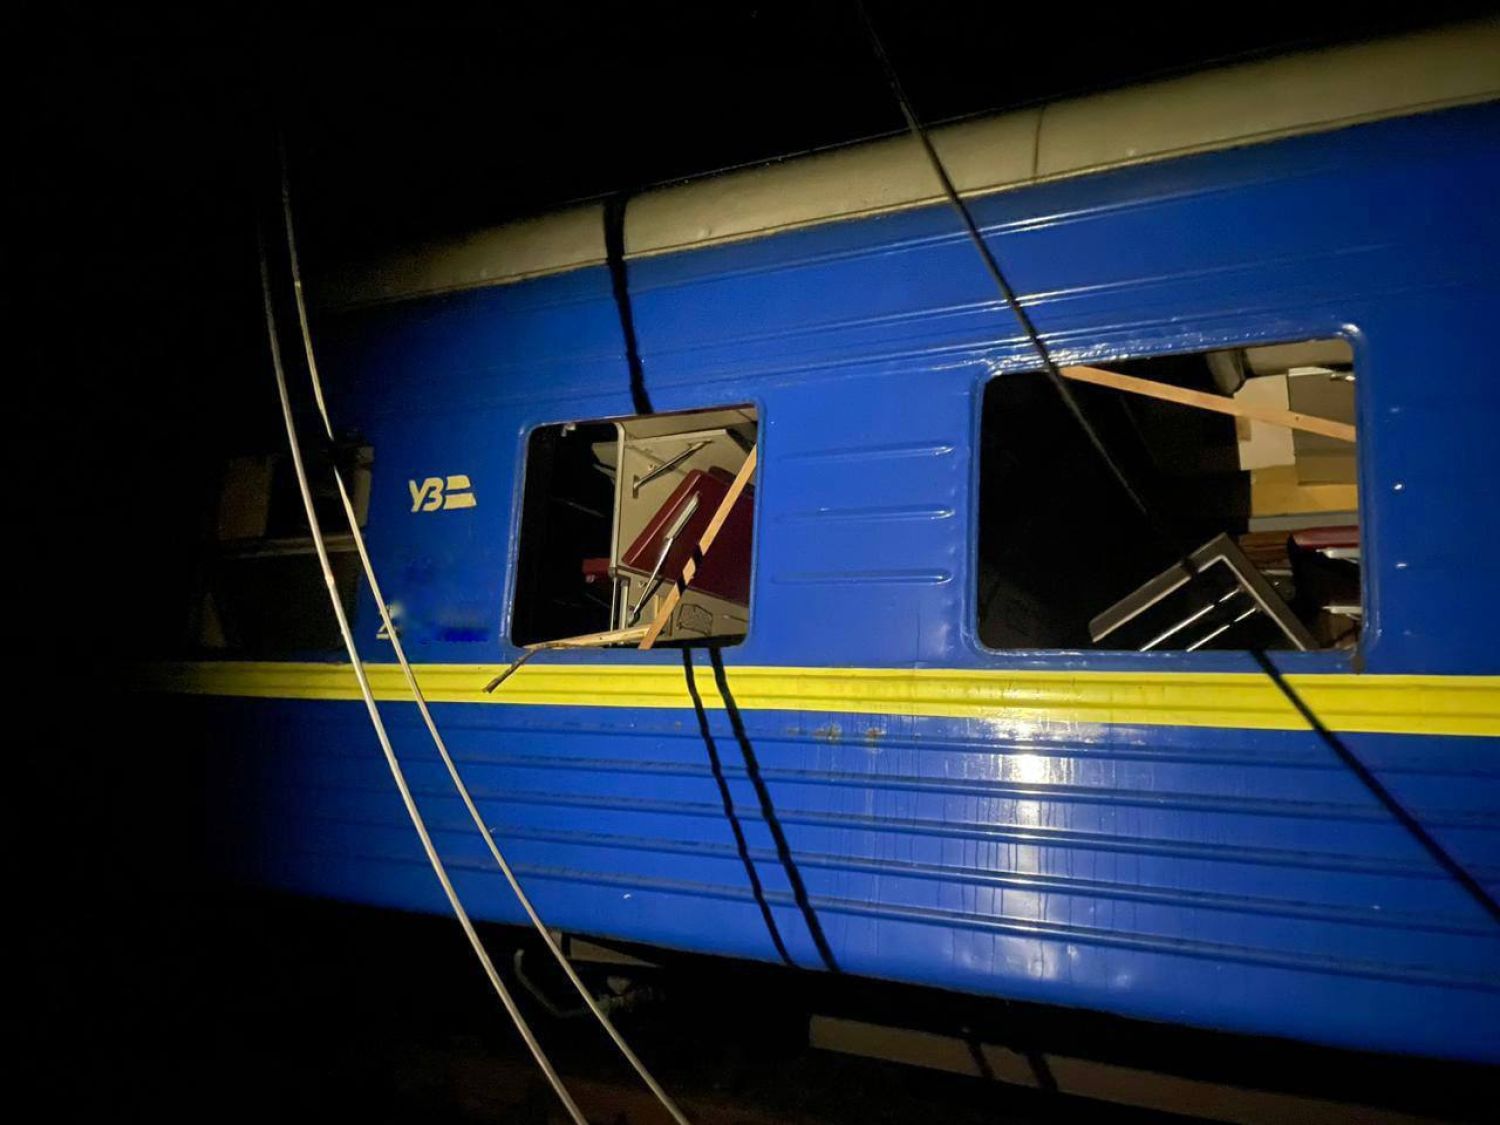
x=647, y=635
x=710, y=533
x=1166, y=392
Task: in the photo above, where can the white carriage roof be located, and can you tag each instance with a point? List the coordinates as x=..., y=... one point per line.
x=1216, y=109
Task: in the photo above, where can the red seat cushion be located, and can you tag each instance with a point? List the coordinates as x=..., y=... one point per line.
x=725, y=570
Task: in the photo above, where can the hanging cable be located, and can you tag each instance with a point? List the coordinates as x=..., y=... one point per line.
x=619, y=280
x=316, y=531
x=1351, y=761
x=415, y=689
x=997, y=275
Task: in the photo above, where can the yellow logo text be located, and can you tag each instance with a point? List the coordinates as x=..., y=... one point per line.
x=441, y=492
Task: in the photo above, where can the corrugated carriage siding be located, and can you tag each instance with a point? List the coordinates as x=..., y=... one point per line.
x=1206, y=869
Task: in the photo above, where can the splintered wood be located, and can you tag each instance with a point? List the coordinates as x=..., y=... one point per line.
x=710, y=533
x=1150, y=388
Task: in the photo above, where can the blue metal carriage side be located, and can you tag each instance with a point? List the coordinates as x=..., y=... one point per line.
x=1151, y=834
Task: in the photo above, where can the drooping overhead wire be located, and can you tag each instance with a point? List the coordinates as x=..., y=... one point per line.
x=1160, y=526
x=1352, y=762
x=397, y=774
x=619, y=280
x=391, y=631
x=741, y=844
x=768, y=814
x=1012, y=300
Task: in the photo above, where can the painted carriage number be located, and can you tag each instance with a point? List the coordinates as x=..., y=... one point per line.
x=436, y=492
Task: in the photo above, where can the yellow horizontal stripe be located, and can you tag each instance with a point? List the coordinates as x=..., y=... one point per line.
x=1449, y=705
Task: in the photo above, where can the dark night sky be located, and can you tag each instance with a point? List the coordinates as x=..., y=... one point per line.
x=443, y=128
x=427, y=118
x=144, y=148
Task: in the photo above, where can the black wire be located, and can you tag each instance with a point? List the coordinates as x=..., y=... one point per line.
x=740, y=843
x=997, y=275
x=768, y=813
x=1384, y=795
x=1475, y=889
x=619, y=277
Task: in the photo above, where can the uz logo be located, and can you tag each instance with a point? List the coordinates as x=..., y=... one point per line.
x=441, y=492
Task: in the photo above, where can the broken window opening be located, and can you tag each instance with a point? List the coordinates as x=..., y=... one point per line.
x=612, y=512
x=262, y=593
x=1269, y=511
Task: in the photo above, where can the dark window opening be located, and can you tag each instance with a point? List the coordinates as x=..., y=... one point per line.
x=262, y=592
x=1269, y=513
x=610, y=515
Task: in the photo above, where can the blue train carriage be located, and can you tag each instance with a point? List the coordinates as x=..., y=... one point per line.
x=938, y=710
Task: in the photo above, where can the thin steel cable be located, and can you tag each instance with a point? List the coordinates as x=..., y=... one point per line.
x=1351, y=761
x=397, y=774
x=421, y=700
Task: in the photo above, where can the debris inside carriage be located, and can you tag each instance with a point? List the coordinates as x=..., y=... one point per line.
x=305, y=1008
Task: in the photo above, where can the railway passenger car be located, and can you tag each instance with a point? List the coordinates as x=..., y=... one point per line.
x=937, y=716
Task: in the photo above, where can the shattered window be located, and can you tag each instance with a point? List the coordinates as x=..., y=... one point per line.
x=611, y=514
x=1248, y=455
x=262, y=592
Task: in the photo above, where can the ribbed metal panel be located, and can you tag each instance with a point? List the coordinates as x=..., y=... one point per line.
x=1207, y=872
